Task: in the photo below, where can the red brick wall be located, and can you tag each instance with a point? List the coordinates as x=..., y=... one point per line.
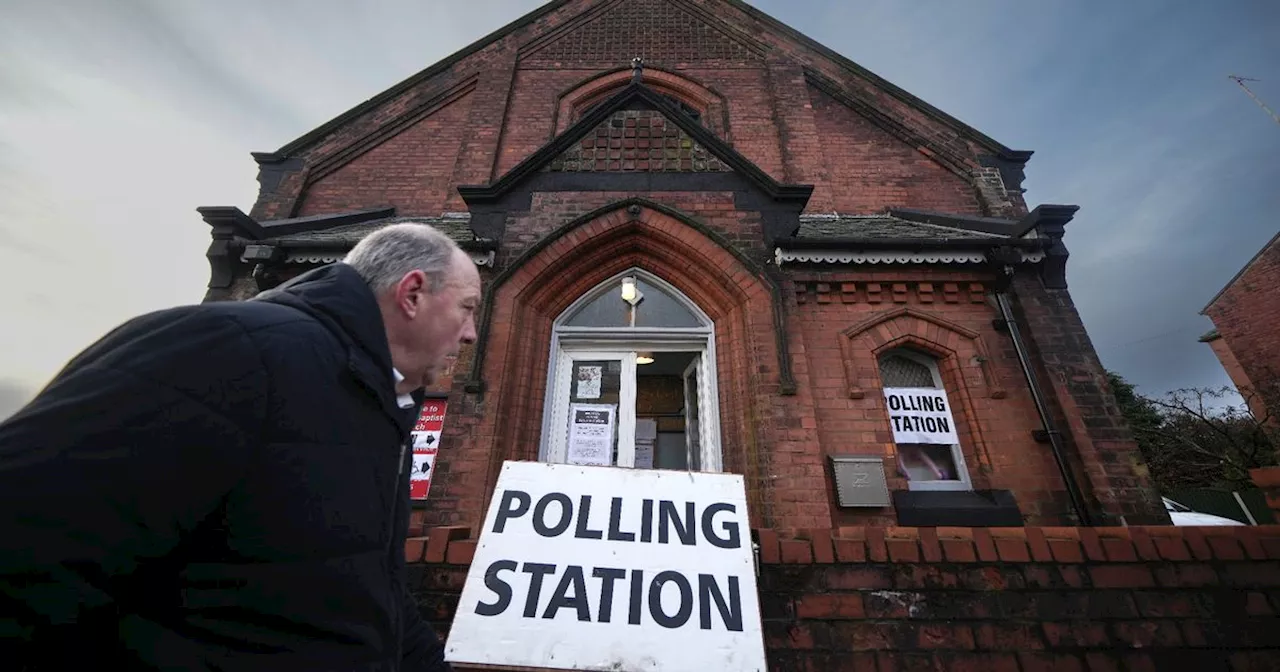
x=477, y=119
x=871, y=170
x=837, y=325
x=412, y=171
x=1247, y=316
x=1033, y=599
x=1103, y=453
x=1239, y=378
x=840, y=318
x=1230, y=363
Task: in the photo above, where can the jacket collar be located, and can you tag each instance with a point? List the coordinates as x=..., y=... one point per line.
x=337, y=297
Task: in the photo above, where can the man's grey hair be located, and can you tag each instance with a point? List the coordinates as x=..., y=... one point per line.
x=383, y=257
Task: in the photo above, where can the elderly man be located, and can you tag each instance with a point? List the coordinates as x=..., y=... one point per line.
x=225, y=486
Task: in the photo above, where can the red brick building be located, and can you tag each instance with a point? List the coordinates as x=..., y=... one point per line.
x=794, y=234
x=1246, y=334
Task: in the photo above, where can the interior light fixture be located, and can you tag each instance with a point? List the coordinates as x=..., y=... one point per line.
x=643, y=358
x=630, y=293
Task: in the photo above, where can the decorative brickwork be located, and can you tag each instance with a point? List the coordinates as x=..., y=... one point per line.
x=907, y=289
x=637, y=140
x=1021, y=600
x=661, y=31
x=678, y=87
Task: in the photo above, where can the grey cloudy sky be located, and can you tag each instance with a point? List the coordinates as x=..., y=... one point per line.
x=118, y=118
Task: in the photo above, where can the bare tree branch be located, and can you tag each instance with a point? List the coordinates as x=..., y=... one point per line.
x=1201, y=437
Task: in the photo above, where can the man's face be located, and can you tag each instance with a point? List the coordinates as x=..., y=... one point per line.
x=442, y=320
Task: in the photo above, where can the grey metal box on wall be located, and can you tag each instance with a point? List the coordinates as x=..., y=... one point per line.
x=860, y=481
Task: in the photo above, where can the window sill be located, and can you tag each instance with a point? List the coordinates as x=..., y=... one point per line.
x=939, y=486
x=943, y=508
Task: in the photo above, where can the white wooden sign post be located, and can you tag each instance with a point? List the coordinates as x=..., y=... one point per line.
x=604, y=568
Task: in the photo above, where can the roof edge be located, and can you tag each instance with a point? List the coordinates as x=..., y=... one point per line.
x=231, y=219
x=993, y=225
x=1240, y=273
x=1049, y=216
x=296, y=225
x=1019, y=156
x=406, y=84
x=472, y=245
x=1016, y=155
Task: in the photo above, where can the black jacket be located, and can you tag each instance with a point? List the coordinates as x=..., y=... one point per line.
x=222, y=486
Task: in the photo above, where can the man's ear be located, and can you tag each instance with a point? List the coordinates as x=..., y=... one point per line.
x=410, y=292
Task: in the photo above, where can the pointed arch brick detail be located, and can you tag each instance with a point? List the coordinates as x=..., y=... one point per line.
x=599, y=87
x=962, y=360
x=740, y=297
x=567, y=237
x=936, y=333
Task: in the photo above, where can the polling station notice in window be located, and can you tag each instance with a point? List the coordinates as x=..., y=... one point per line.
x=606, y=568
x=591, y=432
x=920, y=415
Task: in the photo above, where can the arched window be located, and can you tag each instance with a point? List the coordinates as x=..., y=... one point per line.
x=632, y=380
x=657, y=308
x=929, y=454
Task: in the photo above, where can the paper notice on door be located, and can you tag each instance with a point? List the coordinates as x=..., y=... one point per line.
x=591, y=434
x=646, y=435
x=589, y=378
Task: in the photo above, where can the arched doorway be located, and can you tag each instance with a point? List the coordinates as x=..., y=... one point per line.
x=632, y=380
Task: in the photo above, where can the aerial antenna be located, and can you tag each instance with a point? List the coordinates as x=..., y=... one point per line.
x=1241, y=81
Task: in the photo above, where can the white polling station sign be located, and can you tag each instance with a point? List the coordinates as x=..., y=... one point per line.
x=920, y=415
x=606, y=568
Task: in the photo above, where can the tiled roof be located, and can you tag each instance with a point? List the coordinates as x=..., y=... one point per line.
x=457, y=227
x=879, y=226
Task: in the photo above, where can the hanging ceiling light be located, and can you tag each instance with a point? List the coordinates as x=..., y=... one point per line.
x=643, y=358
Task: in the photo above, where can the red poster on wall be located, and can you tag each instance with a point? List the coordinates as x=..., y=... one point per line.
x=426, y=444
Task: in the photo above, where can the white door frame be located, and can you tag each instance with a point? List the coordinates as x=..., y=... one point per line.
x=557, y=446
x=695, y=367
x=611, y=341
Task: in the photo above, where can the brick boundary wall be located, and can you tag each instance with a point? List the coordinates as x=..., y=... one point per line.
x=988, y=599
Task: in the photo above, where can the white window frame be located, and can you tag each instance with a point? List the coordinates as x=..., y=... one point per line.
x=695, y=368
x=965, y=483
x=569, y=343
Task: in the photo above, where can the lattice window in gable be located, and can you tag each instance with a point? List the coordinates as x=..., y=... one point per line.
x=899, y=371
